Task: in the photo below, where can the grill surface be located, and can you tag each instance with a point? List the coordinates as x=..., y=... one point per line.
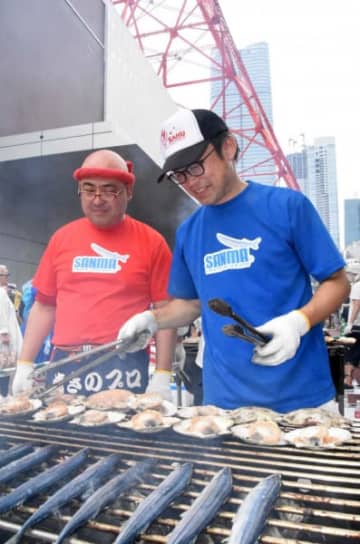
x=319, y=500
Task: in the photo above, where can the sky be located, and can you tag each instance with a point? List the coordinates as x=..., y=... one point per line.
x=314, y=50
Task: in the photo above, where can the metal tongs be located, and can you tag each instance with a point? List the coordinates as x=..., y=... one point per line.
x=116, y=347
x=243, y=329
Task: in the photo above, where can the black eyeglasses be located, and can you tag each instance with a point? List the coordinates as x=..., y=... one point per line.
x=196, y=169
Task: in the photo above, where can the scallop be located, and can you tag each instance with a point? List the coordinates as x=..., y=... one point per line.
x=318, y=436
x=246, y=414
x=204, y=426
x=69, y=399
x=261, y=432
x=313, y=416
x=204, y=410
x=19, y=405
x=110, y=399
x=58, y=411
x=145, y=401
x=93, y=418
x=149, y=421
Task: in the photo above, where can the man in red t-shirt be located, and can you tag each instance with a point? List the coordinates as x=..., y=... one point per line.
x=95, y=273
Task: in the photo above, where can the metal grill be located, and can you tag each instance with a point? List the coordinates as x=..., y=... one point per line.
x=319, y=500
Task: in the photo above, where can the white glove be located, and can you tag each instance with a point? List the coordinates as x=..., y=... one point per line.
x=286, y=332
x=160, y=383
x=138, y=330
x=22, y=380
x=348, y=328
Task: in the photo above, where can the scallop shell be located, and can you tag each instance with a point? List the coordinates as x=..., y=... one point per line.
x=95, y=418
x=318, y=437
x=58, y=411
x=260, y=432
x=146, y=401
x=204, y=426
x=148, y=421
x=313, y=416
x=246, y=414
x=19, y=406
x=110, y=399
x=73, y=400
x=204, y=410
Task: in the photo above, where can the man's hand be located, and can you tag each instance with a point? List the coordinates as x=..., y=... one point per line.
x=286, y=332
x=22, y=381
x=160, y=383
x=138, y=331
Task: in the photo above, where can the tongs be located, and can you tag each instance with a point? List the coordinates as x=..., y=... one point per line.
x=243, y=329
x=42, y=368
x=119, y=345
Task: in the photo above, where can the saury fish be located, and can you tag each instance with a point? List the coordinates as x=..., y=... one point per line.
x=25, y=463
x=85, y=483
x=42, y=481
x=251, y=516
x=106, y=495
x=14, y=453
x=203, y=509
x=155, y=503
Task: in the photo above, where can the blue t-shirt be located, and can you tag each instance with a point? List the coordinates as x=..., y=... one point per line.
x=257, y=252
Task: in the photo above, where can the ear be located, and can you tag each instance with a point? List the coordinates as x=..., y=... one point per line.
x=129, y=190
x=229, y=147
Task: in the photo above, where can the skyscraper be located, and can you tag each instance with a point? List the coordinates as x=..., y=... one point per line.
x=352, y=220
x=315, y=169
x=256, y=60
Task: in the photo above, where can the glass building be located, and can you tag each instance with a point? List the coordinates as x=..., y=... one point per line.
x=315, y=169
x=257, y=63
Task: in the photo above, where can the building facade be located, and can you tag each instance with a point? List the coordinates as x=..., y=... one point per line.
x=257, y=63
x=315, y=169
x=352, y=220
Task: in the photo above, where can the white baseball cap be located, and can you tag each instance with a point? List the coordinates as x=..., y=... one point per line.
x=185, y=136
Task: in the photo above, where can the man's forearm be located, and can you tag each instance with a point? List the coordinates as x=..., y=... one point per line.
x=328, y=297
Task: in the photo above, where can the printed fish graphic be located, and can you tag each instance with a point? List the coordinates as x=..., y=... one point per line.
x=41, y=482
x=23, y=464
x=203, y=509
x=152, y=506
x=106, y=495
x=84, y=484
x=251, y=516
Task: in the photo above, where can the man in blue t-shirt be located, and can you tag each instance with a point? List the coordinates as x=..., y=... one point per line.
x=256, y=247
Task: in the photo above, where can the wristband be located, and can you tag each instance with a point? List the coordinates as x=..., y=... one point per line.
x=24, y=362
x=162, y=371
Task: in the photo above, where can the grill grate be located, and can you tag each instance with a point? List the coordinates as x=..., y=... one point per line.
x=319, y=500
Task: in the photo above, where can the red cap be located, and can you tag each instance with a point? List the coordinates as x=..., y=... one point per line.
x=111, y=173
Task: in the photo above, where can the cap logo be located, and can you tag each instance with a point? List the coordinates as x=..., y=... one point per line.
x=171, y=137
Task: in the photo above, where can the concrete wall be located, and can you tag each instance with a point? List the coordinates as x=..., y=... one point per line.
x=63, y=95
x=51, y=65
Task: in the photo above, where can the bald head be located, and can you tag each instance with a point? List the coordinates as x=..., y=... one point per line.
x=4, y=270
x=105, y=158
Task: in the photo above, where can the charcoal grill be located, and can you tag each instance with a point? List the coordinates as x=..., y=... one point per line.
x=319, y=501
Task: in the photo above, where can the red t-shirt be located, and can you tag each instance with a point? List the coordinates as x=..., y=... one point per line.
x=100, y=278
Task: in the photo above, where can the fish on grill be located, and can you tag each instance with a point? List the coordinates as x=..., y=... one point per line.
x=252, y=514
x=106, y=495
x=152, y=506
x=43, y=481
x=203, y=509
x=15, y=453
x=11, y=470
x=83, y=485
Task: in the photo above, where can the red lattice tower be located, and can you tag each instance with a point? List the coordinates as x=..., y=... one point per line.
x=190, y=47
